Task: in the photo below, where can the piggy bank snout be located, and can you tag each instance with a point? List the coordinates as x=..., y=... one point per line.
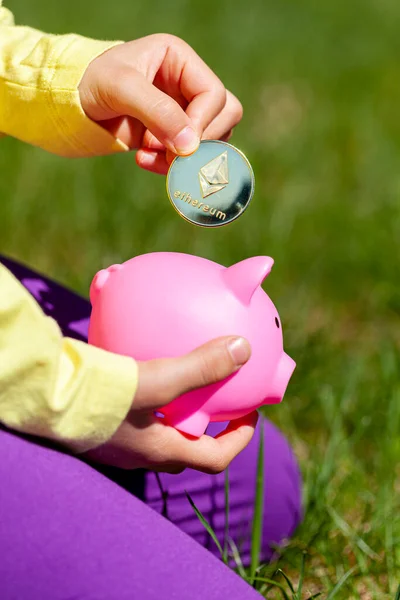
x=284, y=371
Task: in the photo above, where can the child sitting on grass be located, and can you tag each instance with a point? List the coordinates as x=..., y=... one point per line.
x=70, y=531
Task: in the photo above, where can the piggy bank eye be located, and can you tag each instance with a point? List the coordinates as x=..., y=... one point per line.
x=277, y=322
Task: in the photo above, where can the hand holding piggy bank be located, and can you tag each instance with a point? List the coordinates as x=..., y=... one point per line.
x=166, y=304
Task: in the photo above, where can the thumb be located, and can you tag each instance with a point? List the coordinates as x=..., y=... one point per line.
x=136, y=97
x=163, y=380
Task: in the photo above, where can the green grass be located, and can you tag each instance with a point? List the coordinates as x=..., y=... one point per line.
x=320, y=85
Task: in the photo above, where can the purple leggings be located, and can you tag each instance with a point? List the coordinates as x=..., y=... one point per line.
x=73, y=531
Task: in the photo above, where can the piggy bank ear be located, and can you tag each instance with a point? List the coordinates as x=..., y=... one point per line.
x=245, y=277
x=99, y=280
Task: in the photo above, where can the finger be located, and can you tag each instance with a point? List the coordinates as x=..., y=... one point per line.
x=219, y=129
x=170, y=156
x=205, y=93
x=183, y=74
x=213, y=455
x=224, y=137
x=162, y=380
x=151, y=142
x=227, y=136
x=133, y=95
x=127, y=129
x=154, y=161
x=228, y=118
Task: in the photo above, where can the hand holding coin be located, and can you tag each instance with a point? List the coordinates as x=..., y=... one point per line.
x=155, y=94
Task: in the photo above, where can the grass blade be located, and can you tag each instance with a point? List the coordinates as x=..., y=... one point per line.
x=287, y=581
x=258, y=509
x=205, y=524
x=226, y=534
x=351, y=535
x=314, y=596
x=340, y=583
x=273, y=583
x=237, y=558
x=397, y=597
x=301, y=579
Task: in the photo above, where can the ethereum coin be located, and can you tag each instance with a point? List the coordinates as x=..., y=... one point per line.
x=211, y=187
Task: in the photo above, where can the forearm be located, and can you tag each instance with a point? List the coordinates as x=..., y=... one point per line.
x=39, y=97
x=56, y=387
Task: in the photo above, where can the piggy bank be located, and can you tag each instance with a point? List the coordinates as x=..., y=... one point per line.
x=165, y=304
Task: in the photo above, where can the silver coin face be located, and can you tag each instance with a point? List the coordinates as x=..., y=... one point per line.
x=211, y=187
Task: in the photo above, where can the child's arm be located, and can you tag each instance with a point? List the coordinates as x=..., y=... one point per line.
x=39, y=97
x=75, y=96
x=148, y=94
x=56, y=387
x=102, y=404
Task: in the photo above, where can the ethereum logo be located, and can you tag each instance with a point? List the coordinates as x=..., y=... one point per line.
x=214, y=175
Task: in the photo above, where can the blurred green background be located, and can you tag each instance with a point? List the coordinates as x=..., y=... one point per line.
x=320, y=86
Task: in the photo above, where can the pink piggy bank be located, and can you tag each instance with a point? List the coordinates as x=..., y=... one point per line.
x=166, y=304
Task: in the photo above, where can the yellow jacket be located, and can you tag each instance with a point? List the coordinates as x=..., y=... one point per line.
x=52, y=386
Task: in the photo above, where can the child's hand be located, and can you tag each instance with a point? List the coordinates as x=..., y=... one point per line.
x=144, y=441
x=156, y=94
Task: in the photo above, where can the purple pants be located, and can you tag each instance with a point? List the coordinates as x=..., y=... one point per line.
x=73, y=531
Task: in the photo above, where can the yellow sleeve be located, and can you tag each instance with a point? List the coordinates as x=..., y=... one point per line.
x=56, y=387
x=39, y=97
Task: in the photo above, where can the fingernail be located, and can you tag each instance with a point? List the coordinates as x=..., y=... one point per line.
x=186, y=141
x=240, y=351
